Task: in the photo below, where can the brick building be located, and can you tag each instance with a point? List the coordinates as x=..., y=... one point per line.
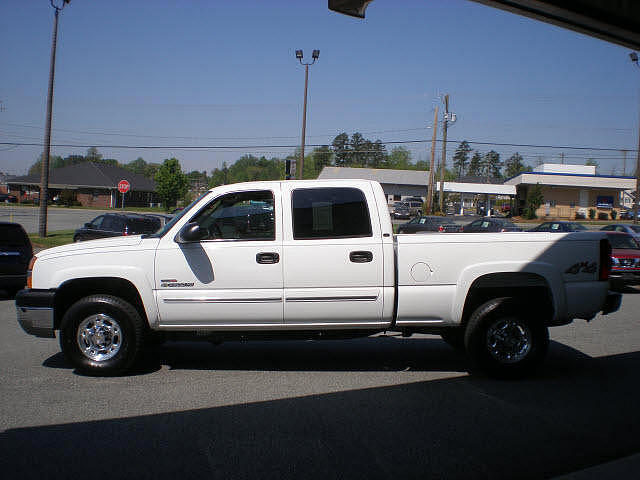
x=91, y=184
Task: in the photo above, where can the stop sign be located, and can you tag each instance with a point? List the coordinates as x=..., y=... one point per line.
x=123, y=186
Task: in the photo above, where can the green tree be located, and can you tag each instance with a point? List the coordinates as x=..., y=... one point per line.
x=378, y=158
x=93, y=155
x=461, y=158
x=492, y=164
x=534, y=200
x=514, y=165
x=341, y=149
x=171, y=183
x=399, y=158
x=476, y=165
x=138, y=166
x=36, y=168
x=358, y=151
x=321, y=158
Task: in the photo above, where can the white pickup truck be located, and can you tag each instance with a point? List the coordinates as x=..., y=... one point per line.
x=312, y=259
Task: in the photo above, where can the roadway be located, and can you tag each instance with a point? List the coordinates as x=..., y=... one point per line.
x=388, y=407
x=58, y=218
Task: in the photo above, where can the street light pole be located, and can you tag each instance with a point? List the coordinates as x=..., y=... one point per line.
x=299, y=56
x=634, y=58
x=44, y=176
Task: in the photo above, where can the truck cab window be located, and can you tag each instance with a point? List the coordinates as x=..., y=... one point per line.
x=330, y=213
x=239, y=216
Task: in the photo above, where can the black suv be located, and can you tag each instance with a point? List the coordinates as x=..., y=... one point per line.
x=116, y=225
x=15, y=255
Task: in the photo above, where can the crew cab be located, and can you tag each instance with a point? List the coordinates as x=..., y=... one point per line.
x=312, y=259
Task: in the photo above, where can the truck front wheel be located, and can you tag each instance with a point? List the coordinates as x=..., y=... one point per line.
x=101, y=335
x=505, y=339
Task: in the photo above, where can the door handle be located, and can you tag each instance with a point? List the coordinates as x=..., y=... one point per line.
x=361, y=257
x=267, y=258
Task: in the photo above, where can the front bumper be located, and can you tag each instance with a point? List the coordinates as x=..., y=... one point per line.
x=612, y=303
x=35, y=312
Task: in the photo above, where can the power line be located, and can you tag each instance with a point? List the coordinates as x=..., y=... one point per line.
x=238, y=147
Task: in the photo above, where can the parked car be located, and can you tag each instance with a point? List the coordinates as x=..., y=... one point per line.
x=429, y=224
x=15, y=254
x=625, y=256
x=164, y=219
x=401, y=211
x=560, y=226
x=6, y=198
x=491, y=224
x=633, y=230
x=115, y=225
x=626, y=214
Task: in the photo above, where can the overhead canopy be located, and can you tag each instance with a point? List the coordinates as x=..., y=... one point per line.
x=616, y=21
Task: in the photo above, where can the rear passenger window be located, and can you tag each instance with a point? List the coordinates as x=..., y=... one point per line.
x=330, y=213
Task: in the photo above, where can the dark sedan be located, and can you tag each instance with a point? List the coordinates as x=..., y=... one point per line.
x=429, y=224
x=559, y=227
x=116, y=225
x=491, y=224
x=15, y=255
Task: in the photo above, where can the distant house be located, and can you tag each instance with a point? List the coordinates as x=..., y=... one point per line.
x=91, y=184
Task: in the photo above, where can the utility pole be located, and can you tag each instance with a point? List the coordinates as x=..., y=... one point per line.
x=433, y=157
x=443, y=164
x=634, y=58
x=624, y=163
x=562, y=158
x=44, y=176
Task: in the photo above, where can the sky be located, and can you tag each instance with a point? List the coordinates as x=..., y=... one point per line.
x=222, y=76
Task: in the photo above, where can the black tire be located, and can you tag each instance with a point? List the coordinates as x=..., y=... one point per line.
x=454, y=337
x=78, y=238
x=110, y=330
x=506, y=339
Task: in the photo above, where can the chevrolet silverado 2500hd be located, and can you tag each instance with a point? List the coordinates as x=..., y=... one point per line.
x=312, y=259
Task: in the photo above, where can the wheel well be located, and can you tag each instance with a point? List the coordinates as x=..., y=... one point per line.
x=73, y=290
x=526, y=288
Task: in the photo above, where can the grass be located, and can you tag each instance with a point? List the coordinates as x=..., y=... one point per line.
x=53, y=239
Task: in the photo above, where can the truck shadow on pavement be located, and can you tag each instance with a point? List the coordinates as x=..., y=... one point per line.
x=577, y=413
x=379, y=354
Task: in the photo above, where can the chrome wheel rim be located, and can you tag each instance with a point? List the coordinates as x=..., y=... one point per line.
x=99, y=337
x=509, y=340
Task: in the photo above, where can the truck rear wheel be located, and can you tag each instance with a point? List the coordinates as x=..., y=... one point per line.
x=505, y=339
x=101, y=335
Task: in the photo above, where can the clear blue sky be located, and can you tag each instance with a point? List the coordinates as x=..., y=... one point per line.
x=214, y=73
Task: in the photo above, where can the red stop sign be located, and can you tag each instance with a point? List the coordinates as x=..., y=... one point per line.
x=123, y=186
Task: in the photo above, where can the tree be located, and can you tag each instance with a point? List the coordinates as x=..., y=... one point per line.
x=171, y=183
x=93, y=155
x=399, y=158
x=514, y=165
x=534, y=200
x=378, y=156
x=321, y=157
x=476, y=165
x=492, y=164
x=341, y=150
x=138, y=166
x=461, y=158
x=36, y=168
x=358, y=147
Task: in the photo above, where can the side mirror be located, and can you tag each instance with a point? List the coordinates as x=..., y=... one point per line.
x=191, y=232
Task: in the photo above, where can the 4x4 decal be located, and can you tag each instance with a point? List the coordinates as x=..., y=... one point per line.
x=584, y=267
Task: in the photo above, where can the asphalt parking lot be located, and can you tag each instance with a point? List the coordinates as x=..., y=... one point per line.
x=387, y=407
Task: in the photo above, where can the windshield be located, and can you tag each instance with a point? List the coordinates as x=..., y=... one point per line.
x=169, y=225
